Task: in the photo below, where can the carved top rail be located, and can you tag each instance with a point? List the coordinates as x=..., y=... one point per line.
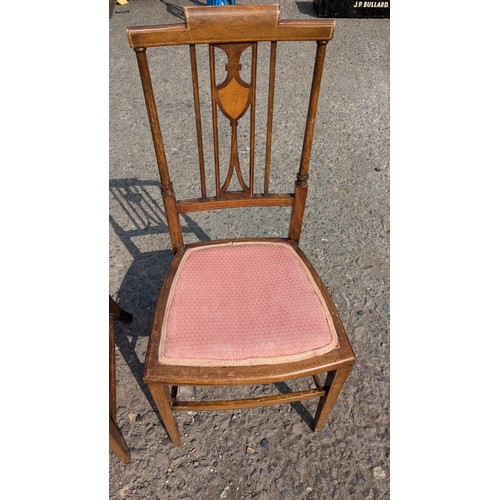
x=237, y=23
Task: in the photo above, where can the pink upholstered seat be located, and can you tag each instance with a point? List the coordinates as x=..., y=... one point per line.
x=244, y=303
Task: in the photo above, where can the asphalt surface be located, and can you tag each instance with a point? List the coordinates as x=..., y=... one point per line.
x=266, y=453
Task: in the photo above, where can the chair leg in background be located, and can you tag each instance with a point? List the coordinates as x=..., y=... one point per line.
x=118, y=313
x=117, y=443
x=333, y=385
x=163, y=402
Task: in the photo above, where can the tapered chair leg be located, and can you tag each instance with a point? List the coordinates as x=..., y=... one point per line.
x=163, y=402
x=333, y=385
x=117, y=443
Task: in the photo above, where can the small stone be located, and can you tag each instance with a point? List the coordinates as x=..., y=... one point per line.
x=299, y=490
x=195, y=463
x=123, y=491
x=265, y=443
x=225, y=492
x=359, y=480
x=250, y=449
x=379, y=473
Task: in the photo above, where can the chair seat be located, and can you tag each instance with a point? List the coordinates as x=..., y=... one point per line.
x=242, y=304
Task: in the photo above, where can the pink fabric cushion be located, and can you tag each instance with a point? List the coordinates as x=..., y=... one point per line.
x=241, y=303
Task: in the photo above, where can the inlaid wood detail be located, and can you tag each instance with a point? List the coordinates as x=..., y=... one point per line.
x=238, y=23
x=233, y=97
x=234, y=30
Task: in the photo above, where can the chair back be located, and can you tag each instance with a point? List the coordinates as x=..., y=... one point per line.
x=234, y=30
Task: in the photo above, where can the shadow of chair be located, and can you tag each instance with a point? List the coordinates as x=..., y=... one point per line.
x=306, y=8
x=136, y=217
x=177, y=11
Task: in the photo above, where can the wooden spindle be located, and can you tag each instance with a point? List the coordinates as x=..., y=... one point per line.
x=270, y=108
x=197, y=112
x=252, y=117
x=303, y=174
x=167, y=190
x=214, y=120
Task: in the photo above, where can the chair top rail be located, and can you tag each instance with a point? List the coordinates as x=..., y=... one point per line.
x=230, y=24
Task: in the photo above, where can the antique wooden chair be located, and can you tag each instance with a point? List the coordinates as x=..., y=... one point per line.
x=116, y=441
x=240, y=311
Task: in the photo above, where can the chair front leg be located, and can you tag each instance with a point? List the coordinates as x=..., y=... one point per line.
x=163, y=401
x=333, y=385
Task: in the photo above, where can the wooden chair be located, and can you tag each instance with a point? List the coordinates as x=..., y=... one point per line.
x=240, y=311
x=116, y=441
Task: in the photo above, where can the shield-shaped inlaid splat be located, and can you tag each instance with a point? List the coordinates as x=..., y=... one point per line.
x=234, y=99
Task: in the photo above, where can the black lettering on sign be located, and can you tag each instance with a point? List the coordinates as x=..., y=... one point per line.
x=371, y=4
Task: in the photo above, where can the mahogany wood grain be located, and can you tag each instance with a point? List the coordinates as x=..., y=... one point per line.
x=234, y=30
x=235, y=404
x=167, y=190
x=270, y=111
x=239, y=23
x=115, y=313
x=235, y=201
x=334, y=382
x=303, y=175
x=116, y=442
x=233, y=97
x=197, y=111
x=253, y=90
x=163, y=402
x=215, y=127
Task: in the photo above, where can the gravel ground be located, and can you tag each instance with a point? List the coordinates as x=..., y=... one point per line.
x=267, y=453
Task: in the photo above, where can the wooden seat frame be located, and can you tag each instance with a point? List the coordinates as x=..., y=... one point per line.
x=234, y=29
